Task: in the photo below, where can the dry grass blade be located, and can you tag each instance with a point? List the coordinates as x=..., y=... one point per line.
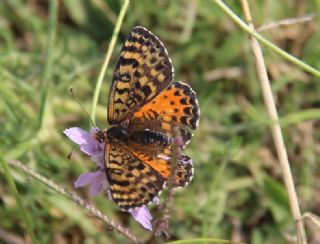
x=286, y=22
x=275, y=128
x=315, y=219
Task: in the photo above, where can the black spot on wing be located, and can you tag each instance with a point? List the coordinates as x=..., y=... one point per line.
x=122, y=91
x=184, y=101
x=187, y=110
x=129, y=61
x=146, y=90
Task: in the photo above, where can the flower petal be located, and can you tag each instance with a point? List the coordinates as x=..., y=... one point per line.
x=90, y=147
x=164, y=157
x=93, y=130
x=99, y=159
x=143, y=216
x=77, y=135
x=85, y=179
x=87, y=143
x=97, y=184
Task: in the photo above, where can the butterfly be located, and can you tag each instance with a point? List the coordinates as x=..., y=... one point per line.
x=145, y=107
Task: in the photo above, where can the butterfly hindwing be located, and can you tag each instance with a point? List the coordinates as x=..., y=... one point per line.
x=143, y=70
x=176, y=106
x=132, y=182
x=161, y=160
x=184, y=172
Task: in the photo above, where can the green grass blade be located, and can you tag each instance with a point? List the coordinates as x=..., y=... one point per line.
x=300, y=116
x=263, y=40
x=107, y=58
x=26, y=218
x=47, y=70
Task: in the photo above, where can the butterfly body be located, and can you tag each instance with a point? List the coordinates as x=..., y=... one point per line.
x=150, y=137
x=145, y=109
x=119, y=133
x=145, y=137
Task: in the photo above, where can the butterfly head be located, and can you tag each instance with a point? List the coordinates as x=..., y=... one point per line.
x=100, y=135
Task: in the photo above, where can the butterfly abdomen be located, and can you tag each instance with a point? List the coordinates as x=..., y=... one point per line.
x=149, y=137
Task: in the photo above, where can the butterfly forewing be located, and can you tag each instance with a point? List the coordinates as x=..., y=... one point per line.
x=143, y=70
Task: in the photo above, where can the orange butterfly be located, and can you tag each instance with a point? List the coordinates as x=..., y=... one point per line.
x=145, y=106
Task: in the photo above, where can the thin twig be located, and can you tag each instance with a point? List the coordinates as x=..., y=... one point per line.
x=275, y=127
x=107, y=58
x=286, y=22
x=74, y=197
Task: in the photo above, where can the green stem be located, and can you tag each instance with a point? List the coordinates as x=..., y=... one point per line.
x=107, y=58
x=24, y=214
x=263, y=40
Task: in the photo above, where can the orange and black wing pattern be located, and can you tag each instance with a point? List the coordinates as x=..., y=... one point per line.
x=147, y=110
x=175, y=107
x=160, y=159
x=142, y=71
x=132, y=182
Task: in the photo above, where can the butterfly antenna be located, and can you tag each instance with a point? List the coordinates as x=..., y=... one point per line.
x=84, y=110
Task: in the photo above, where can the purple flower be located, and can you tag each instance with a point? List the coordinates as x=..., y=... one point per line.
x=97, y=180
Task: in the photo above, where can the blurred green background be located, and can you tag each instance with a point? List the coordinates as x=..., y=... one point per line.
x=237, y=193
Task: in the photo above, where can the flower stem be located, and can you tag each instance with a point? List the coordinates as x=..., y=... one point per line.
x=107, y=59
